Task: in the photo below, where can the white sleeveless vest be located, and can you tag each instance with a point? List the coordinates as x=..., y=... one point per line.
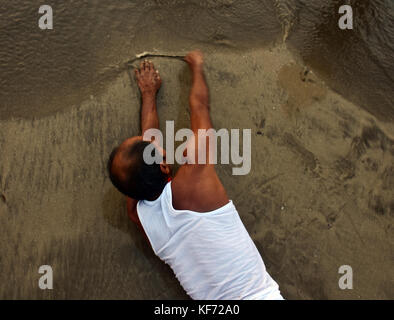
x=211, y=253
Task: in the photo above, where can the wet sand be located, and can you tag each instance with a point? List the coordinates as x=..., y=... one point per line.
x=319, y=194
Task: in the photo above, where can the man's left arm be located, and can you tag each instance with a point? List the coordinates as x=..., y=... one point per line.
x=149, y=83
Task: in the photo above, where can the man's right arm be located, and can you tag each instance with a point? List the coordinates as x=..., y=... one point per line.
x=196, y=186
x=199, y=94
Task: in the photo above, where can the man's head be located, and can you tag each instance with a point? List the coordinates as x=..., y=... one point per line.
x=132, y=176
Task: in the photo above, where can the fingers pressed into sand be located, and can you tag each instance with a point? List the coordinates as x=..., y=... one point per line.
x=148, y=77
x=151, y=66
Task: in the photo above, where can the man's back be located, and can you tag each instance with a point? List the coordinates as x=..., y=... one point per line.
x=211, y=253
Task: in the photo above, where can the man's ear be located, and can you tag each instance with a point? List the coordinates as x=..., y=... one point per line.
x=165, y=168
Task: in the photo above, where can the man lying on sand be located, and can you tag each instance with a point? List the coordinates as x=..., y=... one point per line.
x=188, y=219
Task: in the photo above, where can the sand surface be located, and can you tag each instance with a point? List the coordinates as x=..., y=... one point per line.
x=319, y=195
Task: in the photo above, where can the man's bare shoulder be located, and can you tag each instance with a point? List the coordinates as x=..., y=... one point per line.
x=198, y=189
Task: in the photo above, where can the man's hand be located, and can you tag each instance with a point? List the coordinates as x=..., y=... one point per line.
x=148, y=78
x=149, y=82
x=195, y=59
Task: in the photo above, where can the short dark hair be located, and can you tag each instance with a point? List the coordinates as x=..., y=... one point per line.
x=143, y=181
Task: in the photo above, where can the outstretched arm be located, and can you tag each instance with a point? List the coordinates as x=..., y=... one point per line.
x=196, y=186
x=149, y=82
x=199, y=94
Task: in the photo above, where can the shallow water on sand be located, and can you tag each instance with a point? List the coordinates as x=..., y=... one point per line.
x=45, y=71
x=358, y=63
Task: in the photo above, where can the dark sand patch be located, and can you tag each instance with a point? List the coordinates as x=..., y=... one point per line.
x=302, y=86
